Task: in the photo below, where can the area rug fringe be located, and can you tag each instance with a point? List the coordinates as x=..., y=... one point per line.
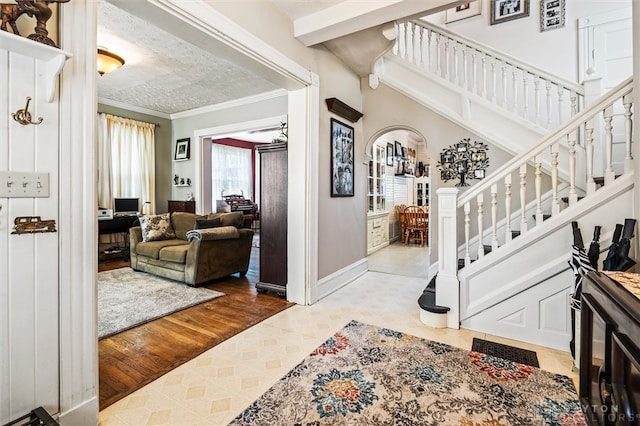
x=367, y=375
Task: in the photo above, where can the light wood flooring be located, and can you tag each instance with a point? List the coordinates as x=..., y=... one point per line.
x=135, y=357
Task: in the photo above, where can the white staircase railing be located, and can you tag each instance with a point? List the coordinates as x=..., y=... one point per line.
x=519, y=88
x=504, y=193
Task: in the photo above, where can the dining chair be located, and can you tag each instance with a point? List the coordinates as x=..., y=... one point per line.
x=416, y=224
x=401, y=219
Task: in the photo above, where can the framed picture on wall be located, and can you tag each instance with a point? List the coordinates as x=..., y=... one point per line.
x=466, y=10
x=342, y=161
x=551, y=14
x=389, y=154
x=182, y=149
x=507, y=10
x=398, y=149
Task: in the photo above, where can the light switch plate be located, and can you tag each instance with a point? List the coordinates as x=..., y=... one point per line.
x=24, y=184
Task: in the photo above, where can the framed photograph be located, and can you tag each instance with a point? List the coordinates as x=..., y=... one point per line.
x=182, y=149
x=398, y=149
x=466, y=10
x=478, y=174
x=342, y=153
x=551, y=14
x=389, y=154
x=404, y=152
x=507, y=10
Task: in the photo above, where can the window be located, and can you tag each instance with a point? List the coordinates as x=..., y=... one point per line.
x=376, y=180
x=126, y=166
x=231, y=171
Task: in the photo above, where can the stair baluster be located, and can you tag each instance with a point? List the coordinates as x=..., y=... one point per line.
x=609, y=174
x=467, y=229
x=494, y=216
x=507, y=207
x=523, y=198
x=573, y=194
x=588, y=133
x=480, y=201
x=555, y=203
x=628, y=126
x=539, y=215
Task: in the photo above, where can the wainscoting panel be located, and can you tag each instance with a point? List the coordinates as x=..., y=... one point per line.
x=29, y=286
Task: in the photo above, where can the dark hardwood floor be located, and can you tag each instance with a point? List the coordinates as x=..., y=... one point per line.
x=135, y=357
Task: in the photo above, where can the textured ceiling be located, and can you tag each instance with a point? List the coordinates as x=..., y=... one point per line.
x=163, y=73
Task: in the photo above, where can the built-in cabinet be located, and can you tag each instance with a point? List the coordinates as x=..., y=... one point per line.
x=377, y=232
x=421, y=186
x=377, y=168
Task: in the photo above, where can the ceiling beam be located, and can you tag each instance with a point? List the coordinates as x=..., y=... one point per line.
x=352, y=16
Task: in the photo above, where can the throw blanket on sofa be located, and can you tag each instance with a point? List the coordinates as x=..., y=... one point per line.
x=220, y=233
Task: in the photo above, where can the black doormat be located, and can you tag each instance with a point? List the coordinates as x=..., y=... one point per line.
x=522, y=356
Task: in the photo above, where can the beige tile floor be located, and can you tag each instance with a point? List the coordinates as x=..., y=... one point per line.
x=216, y=386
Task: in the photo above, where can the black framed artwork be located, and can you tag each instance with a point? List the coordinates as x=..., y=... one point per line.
x=342, y=161
x=507, y=10
x=398, y=149
x=389, y=154
x=182, y=149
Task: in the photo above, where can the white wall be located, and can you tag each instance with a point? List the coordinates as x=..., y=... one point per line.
x=555, y=51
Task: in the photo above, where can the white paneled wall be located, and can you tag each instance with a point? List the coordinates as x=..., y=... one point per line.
x=29, y=286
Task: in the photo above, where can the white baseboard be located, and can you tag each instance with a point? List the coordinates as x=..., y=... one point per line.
x=339, y=279
x=85, y=414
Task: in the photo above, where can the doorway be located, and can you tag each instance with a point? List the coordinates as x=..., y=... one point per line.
x=399, y=176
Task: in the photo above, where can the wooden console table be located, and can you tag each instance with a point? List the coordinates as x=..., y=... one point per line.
x=609, y=351
x=181, y=206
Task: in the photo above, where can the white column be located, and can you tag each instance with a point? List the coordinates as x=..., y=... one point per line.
x=636, y=122
x=447, y=284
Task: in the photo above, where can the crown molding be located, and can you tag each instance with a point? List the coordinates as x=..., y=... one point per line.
x=197, y=111
x=134, y=108
x=231, y=104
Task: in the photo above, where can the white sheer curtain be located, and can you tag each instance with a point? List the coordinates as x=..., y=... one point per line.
x=231, y=171
x=126, y=161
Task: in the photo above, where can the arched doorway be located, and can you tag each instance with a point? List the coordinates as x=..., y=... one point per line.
x=399, y=175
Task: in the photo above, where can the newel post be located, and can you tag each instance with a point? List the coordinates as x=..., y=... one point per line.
x=447, y=284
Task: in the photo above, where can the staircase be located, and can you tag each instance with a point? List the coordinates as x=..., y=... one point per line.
x=515, y=287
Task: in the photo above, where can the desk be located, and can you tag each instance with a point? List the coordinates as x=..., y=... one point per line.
x=117, y=225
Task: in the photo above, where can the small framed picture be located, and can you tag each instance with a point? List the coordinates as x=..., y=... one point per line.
x=398, y=151
x=404, y=152
x=551, y=14
x=182, y=149
x=465, y=10
x=507, y=10
x=478, y=174
x=389, y=154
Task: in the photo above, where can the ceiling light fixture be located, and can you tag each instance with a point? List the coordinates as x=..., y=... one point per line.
x=108, y=61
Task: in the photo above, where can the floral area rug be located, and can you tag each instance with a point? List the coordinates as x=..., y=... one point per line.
x=366, y=375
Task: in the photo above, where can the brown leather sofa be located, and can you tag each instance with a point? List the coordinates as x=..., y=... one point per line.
x=197, y=261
